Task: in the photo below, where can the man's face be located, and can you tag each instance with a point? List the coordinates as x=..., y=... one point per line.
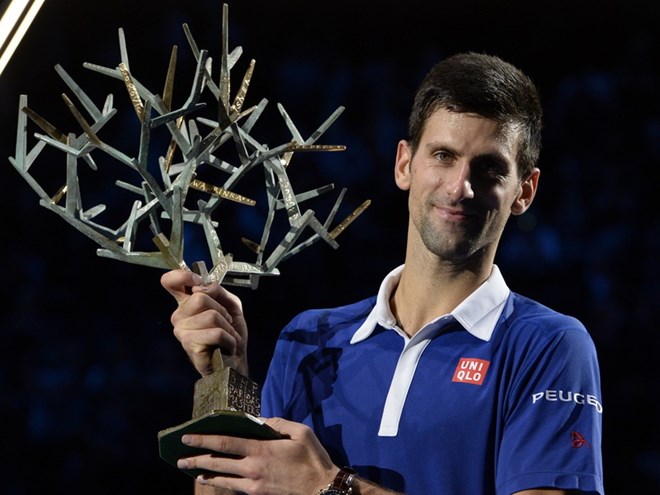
x=463, y=184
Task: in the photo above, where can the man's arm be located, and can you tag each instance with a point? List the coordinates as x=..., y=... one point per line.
x=362, y=487
x=297, y=464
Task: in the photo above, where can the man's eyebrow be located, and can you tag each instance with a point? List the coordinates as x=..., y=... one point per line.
x=493, y=155
x=438, y=145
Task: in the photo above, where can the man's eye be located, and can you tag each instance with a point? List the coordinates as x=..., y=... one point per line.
x=491, y=168
x=442, y=156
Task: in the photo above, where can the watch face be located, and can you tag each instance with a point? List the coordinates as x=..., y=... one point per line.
x=333, y=491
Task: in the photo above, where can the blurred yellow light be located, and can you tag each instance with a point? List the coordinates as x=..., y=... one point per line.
x=14, y=23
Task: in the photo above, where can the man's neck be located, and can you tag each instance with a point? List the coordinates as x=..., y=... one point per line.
x=428, y=290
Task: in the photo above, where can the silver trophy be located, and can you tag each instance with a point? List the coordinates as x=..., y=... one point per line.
x=179, y=184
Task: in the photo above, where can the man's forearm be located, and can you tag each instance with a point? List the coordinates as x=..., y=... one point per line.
x=360, y=487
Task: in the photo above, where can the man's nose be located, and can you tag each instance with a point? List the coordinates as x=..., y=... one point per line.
x=459, y=186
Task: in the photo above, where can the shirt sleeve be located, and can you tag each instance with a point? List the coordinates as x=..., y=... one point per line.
x=272, y=392
x=284, y=393
x=552, y=425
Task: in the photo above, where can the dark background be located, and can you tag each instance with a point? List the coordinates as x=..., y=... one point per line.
x=89, y=368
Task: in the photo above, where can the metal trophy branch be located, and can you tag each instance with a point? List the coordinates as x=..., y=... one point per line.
x=163, y=191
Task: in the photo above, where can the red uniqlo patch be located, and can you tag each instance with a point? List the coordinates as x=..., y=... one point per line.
x=471, y=370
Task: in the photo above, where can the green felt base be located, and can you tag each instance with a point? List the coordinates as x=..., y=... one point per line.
x=232, y=423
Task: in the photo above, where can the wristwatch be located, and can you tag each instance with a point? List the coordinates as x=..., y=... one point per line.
x=341, y=485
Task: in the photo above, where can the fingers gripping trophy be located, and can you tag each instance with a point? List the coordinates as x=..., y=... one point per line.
x=180, y=184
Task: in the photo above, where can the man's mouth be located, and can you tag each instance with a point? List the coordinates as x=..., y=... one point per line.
x=453, y=214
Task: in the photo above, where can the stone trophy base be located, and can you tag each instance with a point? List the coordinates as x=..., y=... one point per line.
x=225, y=403
x=234, y=423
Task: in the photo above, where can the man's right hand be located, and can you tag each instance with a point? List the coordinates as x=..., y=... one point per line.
x=207, y=318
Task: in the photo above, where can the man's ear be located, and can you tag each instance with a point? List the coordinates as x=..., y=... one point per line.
x=526, y=193
x=402, y=165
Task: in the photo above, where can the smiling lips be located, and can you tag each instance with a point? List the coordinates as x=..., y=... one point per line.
x=453, y=214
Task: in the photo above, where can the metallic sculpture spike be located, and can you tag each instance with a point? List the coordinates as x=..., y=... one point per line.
x=194, y=176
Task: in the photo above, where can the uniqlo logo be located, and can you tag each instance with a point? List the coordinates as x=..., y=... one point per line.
x=471, y=370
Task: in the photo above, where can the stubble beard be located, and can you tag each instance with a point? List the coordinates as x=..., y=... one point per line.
x=449, y=246
x=462, y=245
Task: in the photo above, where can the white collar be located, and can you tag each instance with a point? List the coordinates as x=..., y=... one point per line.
x=478, y=313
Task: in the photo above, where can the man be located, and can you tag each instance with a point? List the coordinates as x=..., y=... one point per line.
x=446, y=382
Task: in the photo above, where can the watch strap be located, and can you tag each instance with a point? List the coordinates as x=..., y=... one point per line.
x=342, y=482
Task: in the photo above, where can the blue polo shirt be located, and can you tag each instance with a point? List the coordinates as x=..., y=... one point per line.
x=500, y=395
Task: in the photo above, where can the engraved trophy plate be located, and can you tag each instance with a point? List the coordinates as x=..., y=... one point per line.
x=185, y=183
x=227, y=390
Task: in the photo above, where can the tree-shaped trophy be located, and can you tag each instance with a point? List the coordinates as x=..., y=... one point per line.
x=178, y=176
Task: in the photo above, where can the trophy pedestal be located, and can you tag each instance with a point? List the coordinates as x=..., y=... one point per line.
x=233, y=423
x=225, y=403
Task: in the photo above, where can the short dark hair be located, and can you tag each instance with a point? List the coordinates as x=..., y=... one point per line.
x=488, y=86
